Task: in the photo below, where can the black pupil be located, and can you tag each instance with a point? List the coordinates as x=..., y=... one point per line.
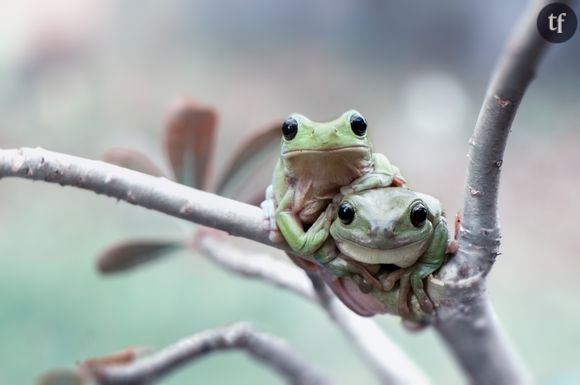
x=290, y=128
x=346, y=213
x=418, y=215
x=358, y=124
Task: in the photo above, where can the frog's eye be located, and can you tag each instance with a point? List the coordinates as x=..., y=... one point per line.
x=418, y=215
x=289, y=128
x=346, y=213
x=358, y=124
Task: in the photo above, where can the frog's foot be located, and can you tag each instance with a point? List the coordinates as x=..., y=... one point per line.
x=368, y=182
x=419, y=290
x=268, y=207
x=457, y=222
x=452, y=247
x=362, y=284
x=369, y=281
x=399, y=181
x=309, y=241
x=317, y=234
x=453, y=244
x=409, y=283
x=390, y=280
x=404, y=293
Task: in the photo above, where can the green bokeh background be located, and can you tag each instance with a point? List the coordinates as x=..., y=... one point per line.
x=79, y=77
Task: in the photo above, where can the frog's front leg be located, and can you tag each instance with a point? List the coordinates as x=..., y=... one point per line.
x=342, y=266
x=384, y=174
x=411, y=278
x=292, y=228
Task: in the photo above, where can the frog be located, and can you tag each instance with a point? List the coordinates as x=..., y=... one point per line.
x=393, y=235
x=317, y=160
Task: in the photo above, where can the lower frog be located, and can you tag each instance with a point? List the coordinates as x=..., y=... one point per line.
x=385, y=236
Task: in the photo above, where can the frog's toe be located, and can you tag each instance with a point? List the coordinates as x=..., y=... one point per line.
x=372, y=181
x=389, y=280
x=419, y=289
x=268, y=208
x=452, y=247
x=363, y=285
x=424, y=301
x=404, y=292
x=399, y=181
x=275, y=236
x=346, y=190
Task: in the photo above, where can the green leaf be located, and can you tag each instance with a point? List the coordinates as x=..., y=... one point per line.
x=131, y=159
x=130, y=254
x=250, y=170
x=189, y=141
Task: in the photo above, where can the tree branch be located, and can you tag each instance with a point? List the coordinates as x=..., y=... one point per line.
x=143, y=190
x=479, y=236
x=265, y=348
x=466, y=320
x=389, y=363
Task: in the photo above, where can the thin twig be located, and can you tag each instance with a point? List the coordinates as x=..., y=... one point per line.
x=257, y=266
x=267, y=349
x=391, y=365
x=466, y=319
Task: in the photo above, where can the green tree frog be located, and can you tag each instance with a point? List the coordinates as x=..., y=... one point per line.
x=395, y=234
x=317, y=160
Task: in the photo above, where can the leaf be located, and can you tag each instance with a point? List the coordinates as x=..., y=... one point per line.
x=130, y=254
x=190, y=132
x=250, y=171
x=131, y=159
x=61, y=377
x=123, y=357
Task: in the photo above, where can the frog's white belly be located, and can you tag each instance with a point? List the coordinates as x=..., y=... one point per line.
x=403, y=256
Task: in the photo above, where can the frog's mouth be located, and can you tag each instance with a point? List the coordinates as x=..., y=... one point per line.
x=402, y=256
x=355, y=149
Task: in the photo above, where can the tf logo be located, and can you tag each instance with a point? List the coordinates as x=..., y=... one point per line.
x=557, y=22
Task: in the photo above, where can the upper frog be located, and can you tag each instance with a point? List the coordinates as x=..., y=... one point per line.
x=317, y=160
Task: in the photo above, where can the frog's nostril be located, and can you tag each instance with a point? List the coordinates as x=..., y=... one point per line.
x=388, y=230
x=375, y=229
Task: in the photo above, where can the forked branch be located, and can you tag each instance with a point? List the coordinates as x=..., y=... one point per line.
x=466, y=319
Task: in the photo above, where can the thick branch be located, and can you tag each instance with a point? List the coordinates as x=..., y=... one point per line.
x=479, y=236
x=143, y=190
x=384, y=357
x=265, y=348
x=466, y=320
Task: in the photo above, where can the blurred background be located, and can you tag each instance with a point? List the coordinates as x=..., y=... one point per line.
x=81, y=76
